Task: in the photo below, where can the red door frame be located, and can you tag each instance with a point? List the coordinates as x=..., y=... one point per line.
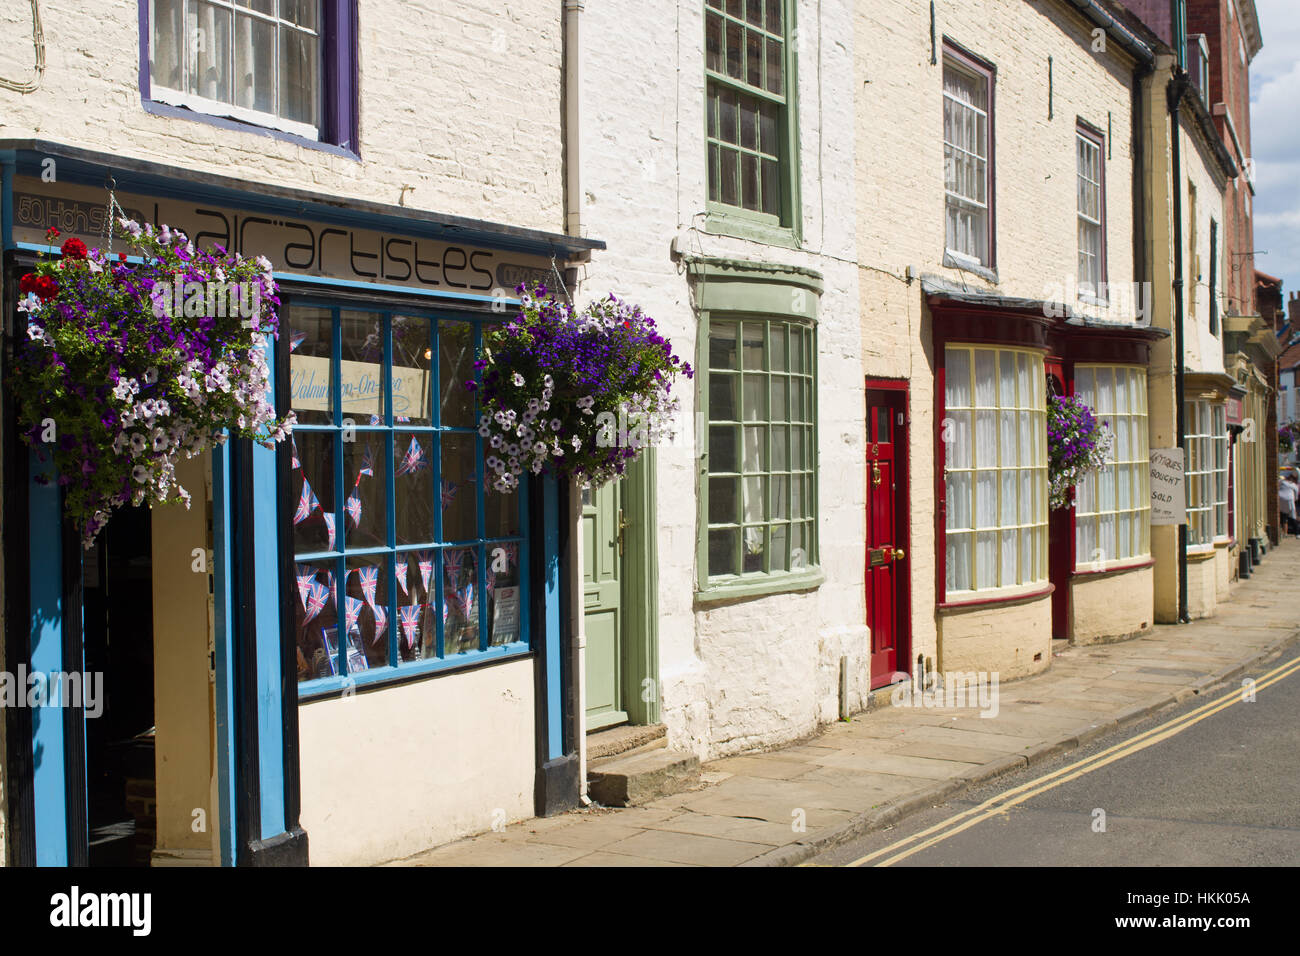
x=902, y=522
x=1060, y=524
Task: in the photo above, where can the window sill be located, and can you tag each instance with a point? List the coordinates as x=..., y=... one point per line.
x=969, y=265
x=996, y=597
x=327, y=688
x=157, y=108
x=1129, y=564
x=1200, y=552
x=728, y=589
x=724, y=222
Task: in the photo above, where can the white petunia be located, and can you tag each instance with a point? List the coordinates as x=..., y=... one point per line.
x=517, y=380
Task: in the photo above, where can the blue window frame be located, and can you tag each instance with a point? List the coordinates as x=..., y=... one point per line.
x=398, y=542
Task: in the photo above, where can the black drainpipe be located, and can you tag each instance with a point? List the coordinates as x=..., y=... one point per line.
x=1176, y=89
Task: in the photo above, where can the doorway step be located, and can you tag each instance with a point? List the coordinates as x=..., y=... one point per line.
x=629, y=766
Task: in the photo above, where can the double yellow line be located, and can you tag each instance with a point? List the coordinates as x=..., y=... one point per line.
x=999, y=804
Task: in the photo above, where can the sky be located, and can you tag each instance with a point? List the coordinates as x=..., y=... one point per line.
x=1275, y=141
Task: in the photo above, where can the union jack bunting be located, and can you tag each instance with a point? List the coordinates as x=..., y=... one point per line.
x=410, y=622
x=296, y=340
x=414, y=459
x=381, y=623
x=460, y=600
x=329, y=526
x=354, y=507
x=376, y=420
x=307, y=503
x=306, y=576
x=369, y=577
x=352, y=611
x=401, y=575
x=293, y=443
x=367, y=463
x=448, y=491
x=426, y=568
x=334, y=592
x=316, y=600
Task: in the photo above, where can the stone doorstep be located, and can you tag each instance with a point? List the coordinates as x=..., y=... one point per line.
x=621, y=739
x=641, y=775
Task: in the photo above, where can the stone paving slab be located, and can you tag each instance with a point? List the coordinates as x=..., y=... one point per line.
x=780, y=807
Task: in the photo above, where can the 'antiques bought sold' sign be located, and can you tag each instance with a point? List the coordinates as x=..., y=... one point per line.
x=1168, y=487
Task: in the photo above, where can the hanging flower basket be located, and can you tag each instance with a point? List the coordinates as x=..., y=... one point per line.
x=1286, y=438
x=575, y=393
x=128, y=367
x=1077, y=444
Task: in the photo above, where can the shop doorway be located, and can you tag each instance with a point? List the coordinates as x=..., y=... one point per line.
x=1060, y=524
x=887, y=579
x=117, y=608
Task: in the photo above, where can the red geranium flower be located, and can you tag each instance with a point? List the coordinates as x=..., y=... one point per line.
x=51, y=233
x=74, y=248
x=121, y=257
x=45, y=287
x=27, y=283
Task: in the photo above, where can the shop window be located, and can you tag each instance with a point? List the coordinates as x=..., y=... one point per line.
x=281, y=64
x=1090, y=177
x=759, y=493
x=1207, y=472
x=967, y=159
x=995, y=474
x=1112, y=507
x=749, y=109
x=399, y=542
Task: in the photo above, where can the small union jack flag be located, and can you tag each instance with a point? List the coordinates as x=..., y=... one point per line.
x=448, y=492
x=316, y=600
x=306, y=576
x=381, y=623
x=329, y=526
x=296, y=340
x=460, y=600
x=367, y=463
x=426, y=568
x=401, y=576
x=410, y=622
x=354, y=508
x=369, y=577
x=307, y=504
x=352, y=611
x=414, y=459
x=293, y=443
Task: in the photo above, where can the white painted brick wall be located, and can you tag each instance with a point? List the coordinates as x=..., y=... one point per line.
x=763, y=670
x=460, y=100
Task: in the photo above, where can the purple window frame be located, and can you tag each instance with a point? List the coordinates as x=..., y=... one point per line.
x=338, y=59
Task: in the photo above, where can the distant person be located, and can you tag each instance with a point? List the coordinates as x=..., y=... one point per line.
x=1286, y=499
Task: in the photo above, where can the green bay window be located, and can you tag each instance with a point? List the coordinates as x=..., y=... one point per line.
x=749, y=113
x=404, y=557
x=757, y=389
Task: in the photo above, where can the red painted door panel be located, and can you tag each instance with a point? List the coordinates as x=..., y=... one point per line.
x=886, y=576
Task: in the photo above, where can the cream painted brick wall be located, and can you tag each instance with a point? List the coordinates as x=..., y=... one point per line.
x=1108, y=608
x=460, y=100
x=901, y=201
x=759, y=671
x=1004, y=639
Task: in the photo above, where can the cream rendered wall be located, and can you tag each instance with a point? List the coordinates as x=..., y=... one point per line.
x=389, y=772
x=901, y=218
x=758, y=671
x=1104, y=608
x=460, y=100
x=1203, y=351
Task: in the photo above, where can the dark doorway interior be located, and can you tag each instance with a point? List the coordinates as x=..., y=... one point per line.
x=117, y=582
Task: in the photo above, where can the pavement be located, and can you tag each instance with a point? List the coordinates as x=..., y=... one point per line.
x=784, y=806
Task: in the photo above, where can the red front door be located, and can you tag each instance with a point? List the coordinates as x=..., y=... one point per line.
x=887, y=579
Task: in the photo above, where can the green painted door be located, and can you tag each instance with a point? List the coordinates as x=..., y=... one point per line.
x=602, y=517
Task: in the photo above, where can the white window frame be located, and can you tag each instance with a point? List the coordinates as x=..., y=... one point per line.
x=1026, y=524
x=960, y=201
x=1207, y=473
x=1099, y=495
x=1092, y=285
x=211, y=107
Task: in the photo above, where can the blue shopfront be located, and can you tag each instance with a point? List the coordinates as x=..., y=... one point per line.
x=350, y=642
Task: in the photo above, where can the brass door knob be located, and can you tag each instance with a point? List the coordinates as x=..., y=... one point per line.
x=899, y=554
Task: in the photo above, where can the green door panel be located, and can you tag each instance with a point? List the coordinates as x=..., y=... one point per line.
x=602, y=604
